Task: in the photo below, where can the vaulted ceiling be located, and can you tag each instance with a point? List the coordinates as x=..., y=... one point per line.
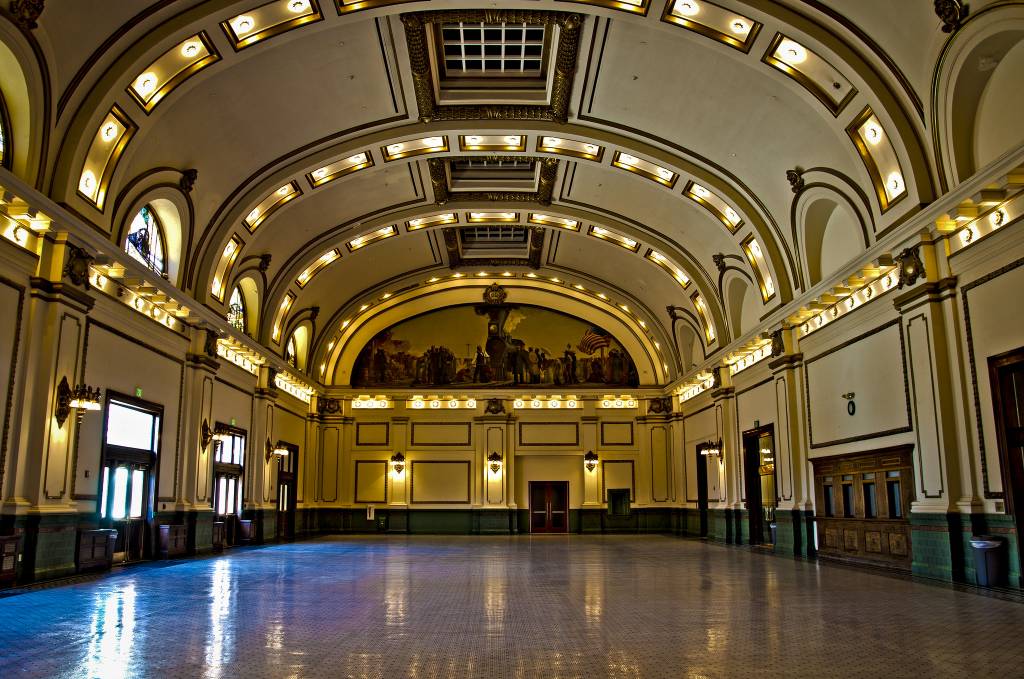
x=668, y=214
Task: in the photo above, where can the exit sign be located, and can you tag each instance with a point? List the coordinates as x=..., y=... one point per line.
x=138, y=392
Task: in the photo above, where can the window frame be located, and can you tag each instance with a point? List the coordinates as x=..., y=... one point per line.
x=158, y=229
x=245, y=311
x=7, y=159
x=113, y=454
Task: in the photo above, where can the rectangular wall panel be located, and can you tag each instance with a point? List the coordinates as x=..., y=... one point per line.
x=372, y=434
x=618, y=474
x=661, y=449
x=871, y=367
x=371, y=481
x=616, y=433
x=436, y=482
x=329, y=464
x=453, y=434
x=549, y=434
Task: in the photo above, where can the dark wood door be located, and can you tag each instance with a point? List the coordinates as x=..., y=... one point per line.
x=1007, y=377
x=702, y=490
x=759, y=479
x=549, y=506
x=286, y=505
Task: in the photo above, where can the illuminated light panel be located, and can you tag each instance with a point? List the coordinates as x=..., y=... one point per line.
x=714, y=204
x=704, y=314
x=414, y=147
x=666, y=264
x=347, y=6
x=266, y=21
x=419, y=402
x=315, y=268
x=546, y=402
x=372, y=403
x=812, y=71
x=612, y=237
x=747, y=358
x=339, y=168
x=240, y=355
x=224, y=266
x=645, y=168
x=617, y=402
x=879, y=157
x=290, y=385
x=718, y=23
x=702, y=383
x=372, y=237
x=755, y=255
x=477, y=217
x=279, y=317
x=986, y=224
x=492, y=142
x=112, y=136
x=571, y=147
x=631, y=6
x=432, y=220
x=171, y=69
x=875, y=281
x=551, y=220
x=274, y=201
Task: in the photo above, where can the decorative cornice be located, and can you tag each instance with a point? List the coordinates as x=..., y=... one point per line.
x=60, y=292
x=932, y=289
x=787, y=362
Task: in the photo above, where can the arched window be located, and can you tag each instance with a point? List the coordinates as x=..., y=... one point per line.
x=290, y=353
x=146, y=241
x=5, y=134
x=236, y=310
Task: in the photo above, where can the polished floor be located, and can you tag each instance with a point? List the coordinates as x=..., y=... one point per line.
x=624, y=606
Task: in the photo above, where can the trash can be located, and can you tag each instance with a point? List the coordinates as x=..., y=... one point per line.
x=989, y=566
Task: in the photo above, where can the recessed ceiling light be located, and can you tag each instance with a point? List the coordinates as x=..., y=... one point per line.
x=191, y=48
x=590, y=148
x=395, y=148
x=792, y=52
x=434, y=279
x=242, y=24
x=555, y=280
x=894, y=182
x=664, y=173
x=88, y=182
x=731, y=215
x=298, y=5
x=873, y=133
x=512, y=139
x=254, y=215
x=739, y=27
x=433, y=141
x=481, y=273
x=320, y=173
x=506, y=274
x=357, y=159
x=473, y=139
x=145, y=84
x=458, y=275
x=551, y=141
x=531, y=275
x=109, y=131
x=627, y=159
x=700, y=191
x=284, y=190
x=998, y=217
x=687, y=7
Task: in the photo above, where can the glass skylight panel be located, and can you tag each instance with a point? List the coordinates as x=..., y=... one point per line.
x=479, y=48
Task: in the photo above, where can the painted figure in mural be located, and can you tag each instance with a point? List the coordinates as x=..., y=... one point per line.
x=420, y=352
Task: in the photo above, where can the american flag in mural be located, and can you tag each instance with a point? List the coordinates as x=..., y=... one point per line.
x=594, y=339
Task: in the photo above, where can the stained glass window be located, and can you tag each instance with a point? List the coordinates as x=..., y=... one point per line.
x=146, y=241
x=290, y=352
x=236, y=310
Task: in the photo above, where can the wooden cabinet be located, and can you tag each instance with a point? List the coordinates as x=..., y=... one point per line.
x=96, y=548
x=9, y=546
x=245, y=531
x=218, y=536
x=173, y=540
x=862, y=507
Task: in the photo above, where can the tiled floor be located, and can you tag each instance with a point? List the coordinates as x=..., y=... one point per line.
x=423, y=607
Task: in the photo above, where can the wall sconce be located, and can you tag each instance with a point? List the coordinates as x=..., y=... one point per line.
x=278, y=450
x=205, y=435
x=712, y=448
x=495, y=461
x=397, y=463
x=590, y=460
x=221, y=433
x=81, y=398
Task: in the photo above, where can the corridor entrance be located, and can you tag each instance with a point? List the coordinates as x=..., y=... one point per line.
x=549, y=506
x=759, y=475
x=1007, y=376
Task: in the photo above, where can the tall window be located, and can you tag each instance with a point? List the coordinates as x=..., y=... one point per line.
x=290, y=353
x=229, y=460
x=5, y=134
x=146, y=241
x=236, y=310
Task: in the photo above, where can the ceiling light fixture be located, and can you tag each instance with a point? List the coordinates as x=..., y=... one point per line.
x=109, y=131
x=298, y=6
x=687, y=8
x=190, y=49
x=791, y=52
x=145, y=84
x=242, y=24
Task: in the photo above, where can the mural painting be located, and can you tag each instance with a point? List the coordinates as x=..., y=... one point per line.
x=493, y=345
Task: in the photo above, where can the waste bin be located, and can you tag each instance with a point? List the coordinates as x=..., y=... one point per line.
x=989, y=566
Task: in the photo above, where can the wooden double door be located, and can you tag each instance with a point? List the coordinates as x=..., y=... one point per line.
x=1006, y=373
x=549, y=506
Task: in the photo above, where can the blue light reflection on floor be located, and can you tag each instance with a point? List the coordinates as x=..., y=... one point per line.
x=626, y=606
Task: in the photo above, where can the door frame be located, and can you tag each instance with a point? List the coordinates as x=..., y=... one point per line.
x=133, y=456
x=290, y=477
x=1013, y=494
x=549, y=484
x=703, y=492
x=756, y=525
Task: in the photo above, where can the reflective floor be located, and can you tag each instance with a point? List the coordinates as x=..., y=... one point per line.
x=626, y=606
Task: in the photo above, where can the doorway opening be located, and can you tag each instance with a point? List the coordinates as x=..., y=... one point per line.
x=759, y=475
x=127, y=483
x=549, y=506
x=228, y=475
x=1006, y=373
x=287, y=472
x=702, y=488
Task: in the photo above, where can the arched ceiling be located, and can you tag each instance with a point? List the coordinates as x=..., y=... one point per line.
x=346, y=81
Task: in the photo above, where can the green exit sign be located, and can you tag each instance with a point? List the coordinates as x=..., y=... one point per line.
x=138, y=392
x=233, y=423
